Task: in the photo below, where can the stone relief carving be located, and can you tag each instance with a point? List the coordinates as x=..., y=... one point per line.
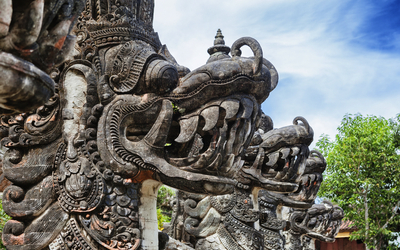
x=124, y=118
x=234, y=221
x=320, y=222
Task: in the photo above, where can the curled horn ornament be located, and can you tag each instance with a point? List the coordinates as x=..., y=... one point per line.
x=254, y=46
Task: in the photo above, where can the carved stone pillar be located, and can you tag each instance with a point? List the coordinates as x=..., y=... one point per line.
x=148, y=214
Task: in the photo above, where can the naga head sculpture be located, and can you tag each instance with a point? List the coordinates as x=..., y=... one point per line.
x=278, y=157
x=321, y=221
x=307, y=190
x=191, y=132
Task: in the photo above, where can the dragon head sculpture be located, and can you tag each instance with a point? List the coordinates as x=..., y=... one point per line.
x=321, y=221
x=193, y=134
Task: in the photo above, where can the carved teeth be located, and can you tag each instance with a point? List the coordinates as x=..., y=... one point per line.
x=188, y=129
x=232, y=137
x=294, y=165
x=291, y=169
x=240, y=139
x=295, y=151
x=211, y=116
x=247, y=128
x=228, y=164
x=272, y=159
x=200, y=163
x=285, y=152
x=248, y=108
x=231, y=107
x=259, y=159
x=228, y=140
x=216, y=163
x=281, y=174
x=157, y=136
x=301, y=169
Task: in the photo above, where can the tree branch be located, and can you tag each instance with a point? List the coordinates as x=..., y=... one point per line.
x=366, y=213
x=394, y=212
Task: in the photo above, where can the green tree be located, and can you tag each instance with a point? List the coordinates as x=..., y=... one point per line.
x=3, y=219
x=164, y=209
x=363, y=175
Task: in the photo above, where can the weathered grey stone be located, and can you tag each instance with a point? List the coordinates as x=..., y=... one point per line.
x=23, y=86
x=34, y=37
x=126, y=118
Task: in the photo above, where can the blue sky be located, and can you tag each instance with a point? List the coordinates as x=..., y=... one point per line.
x=333, y=56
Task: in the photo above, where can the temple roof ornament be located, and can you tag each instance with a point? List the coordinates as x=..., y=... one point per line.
x=219, y=50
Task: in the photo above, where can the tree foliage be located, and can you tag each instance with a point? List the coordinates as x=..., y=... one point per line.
x=164, y=209
x=3, y=219
x=363, y=175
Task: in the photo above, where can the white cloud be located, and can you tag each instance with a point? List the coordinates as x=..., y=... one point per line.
x=324, y=73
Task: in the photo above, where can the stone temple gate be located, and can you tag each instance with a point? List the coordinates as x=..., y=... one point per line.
x=97, y=115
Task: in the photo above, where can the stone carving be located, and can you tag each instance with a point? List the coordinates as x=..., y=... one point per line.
x=34, y=37
x=320, y=222
x=228, y=221
x=273, y=219
x=125, y=117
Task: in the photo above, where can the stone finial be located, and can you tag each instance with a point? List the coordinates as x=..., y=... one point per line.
x=219, y=50
x=219, y=38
